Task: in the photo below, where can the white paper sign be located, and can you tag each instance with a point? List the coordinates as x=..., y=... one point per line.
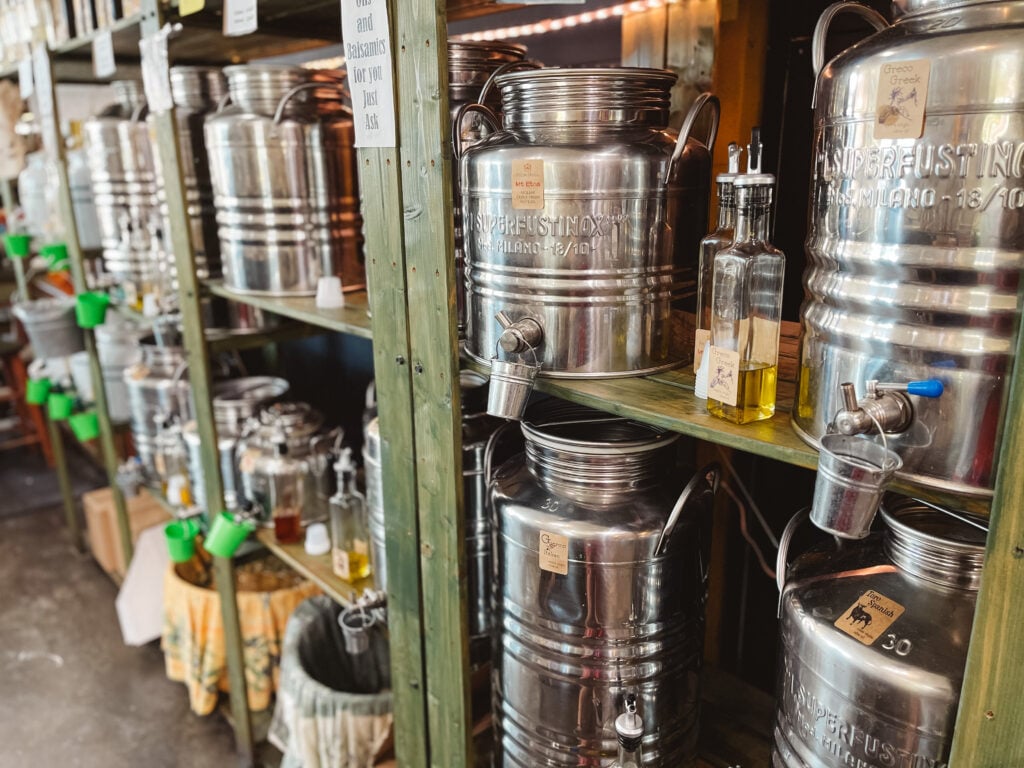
x=155, y=73
x=239, y=17
x=41, y=75
x=103, y=64
x=367, y=38
x=26, y=83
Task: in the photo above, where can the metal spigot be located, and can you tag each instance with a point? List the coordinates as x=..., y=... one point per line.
x=629, y=728
x=519, y=336
x=886, y=406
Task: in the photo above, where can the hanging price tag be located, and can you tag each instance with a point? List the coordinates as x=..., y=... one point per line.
x=103, y=64
x=41, y=76
x=26, y=83
x=156, y=78
x=187, y=7
x=239, y=17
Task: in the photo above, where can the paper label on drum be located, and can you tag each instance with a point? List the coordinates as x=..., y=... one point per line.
x=240, y=18
x=554, y=553
x=527, y=185
x=724, y=375
x=869, y=617
x=902, y=93
x=700, y=338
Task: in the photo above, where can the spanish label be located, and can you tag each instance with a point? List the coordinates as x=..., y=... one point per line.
x=26, y=84
x=527, y=185
x=724, y=375
x=103, y=64
x=701, y=337
x=187, y=7
x=240, y=18
x=902, y=93
x=869, y=617
x=554, y=553
x=367, y=38
x=340, y=562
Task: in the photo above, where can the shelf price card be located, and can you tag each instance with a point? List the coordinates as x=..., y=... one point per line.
x=367, y=41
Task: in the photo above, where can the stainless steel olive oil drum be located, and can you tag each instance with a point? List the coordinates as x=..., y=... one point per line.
x=916, y=240
x=582, y=219
x=196, y=92
x=121, y=166
x=158, y=391
x=874, y=643
x=282, y=167
x=599, y=592
x=470, y=65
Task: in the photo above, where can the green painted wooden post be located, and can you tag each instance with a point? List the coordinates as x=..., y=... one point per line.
x=54, y=144
x=165, y=137
x=64, y=480
x=421, y=51
x=7, y=193
x=990, y=722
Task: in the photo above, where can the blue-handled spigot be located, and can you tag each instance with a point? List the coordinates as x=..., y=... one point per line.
x=885, y=406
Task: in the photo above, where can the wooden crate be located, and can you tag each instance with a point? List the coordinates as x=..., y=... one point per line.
x=102, y=532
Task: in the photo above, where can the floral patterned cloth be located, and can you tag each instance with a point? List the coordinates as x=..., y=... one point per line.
x=193, y=639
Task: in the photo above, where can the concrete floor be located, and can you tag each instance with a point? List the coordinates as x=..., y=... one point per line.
x=71, y=693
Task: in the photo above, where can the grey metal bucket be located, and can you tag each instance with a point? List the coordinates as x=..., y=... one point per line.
x=510, y=387
x=50, y=325
x=852, y=475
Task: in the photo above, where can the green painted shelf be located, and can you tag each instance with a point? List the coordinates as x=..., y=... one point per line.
x=666, y=400
x=316, y=568
x=353, y=318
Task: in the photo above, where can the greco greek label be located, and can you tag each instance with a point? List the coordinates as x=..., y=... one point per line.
x=527, y=185
x=869, y=617
x=902, y=94
x=554, y=553
x=724, y=375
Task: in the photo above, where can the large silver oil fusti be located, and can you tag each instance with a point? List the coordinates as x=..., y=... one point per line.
x=916, y=240
x=582, y=220
x=477, y=428
x=282, y=165
x=158, y=392
x=874, y=643
x=599, y=592
x=121, y=165
x=234, y=402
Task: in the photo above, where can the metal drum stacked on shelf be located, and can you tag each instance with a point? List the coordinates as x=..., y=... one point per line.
x=915, y=242
x=283, y=171
x=582, y=222
x=599, y=591
x=470, y=65
x=121, y=165
x=117, y=346
x=234, y=402
x=196, y=92
x=874, y=643
x=158, y=392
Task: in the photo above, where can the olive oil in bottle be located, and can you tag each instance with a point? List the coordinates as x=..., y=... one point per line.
x=350, y=524
x=746, y=311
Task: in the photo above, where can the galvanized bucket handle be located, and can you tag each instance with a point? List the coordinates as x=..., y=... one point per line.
x=705, y=100
x=709, y=475
x=223, y=103
x=489, y=117
x=536, y=360
x=887, y=463
x=871, y=16
x=508, y=66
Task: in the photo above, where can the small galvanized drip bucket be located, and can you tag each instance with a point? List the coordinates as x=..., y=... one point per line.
x=50, y=325
x=853, y=473
x=510, y=387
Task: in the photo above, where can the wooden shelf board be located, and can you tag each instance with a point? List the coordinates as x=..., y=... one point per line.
x=316, y=568
x=125, y=36
x=352, y=318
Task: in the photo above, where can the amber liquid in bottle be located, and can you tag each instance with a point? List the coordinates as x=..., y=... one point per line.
x=288, y=526
x=755, y=398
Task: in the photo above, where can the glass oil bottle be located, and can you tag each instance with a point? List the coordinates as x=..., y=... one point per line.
x=746, y=310
x=350, y=524
x=716, y=241
x=287, y=492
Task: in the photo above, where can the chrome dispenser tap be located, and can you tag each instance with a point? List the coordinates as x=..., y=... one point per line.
x=518, y=336
x=629, y=727
x=886, y=406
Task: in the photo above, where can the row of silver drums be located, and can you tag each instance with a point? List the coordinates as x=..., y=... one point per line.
x=282, y=167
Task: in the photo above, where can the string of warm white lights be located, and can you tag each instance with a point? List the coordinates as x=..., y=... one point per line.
x=567, y=22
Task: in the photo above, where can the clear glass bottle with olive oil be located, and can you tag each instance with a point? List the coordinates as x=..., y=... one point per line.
x=746, y=310
x=350, y=524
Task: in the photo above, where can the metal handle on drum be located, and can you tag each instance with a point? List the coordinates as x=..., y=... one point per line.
x=279, y=112
x=223, y=103
x=871, y=16
x=706, y=99
x=489, y=117
x=709, y=475
x=781, y=559
x=508, y=66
